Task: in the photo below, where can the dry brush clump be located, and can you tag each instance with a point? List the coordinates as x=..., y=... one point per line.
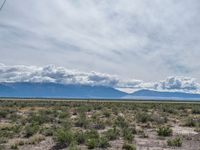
x=176, y=142
x=164, y=131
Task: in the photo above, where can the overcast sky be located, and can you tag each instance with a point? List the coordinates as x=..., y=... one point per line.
x=146, y=40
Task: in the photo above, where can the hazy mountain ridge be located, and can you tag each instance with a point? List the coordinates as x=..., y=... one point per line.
x=151, y=94
x=55, y=90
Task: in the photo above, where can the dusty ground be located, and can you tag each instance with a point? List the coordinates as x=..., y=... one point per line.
x=154, y=143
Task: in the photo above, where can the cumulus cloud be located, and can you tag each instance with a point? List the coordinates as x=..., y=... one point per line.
x=178, y=84
x=62, y=75
x=59, y=75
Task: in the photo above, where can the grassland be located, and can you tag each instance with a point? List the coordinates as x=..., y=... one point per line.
x=35, y=124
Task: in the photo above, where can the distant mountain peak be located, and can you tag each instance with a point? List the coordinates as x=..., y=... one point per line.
x=145, y=93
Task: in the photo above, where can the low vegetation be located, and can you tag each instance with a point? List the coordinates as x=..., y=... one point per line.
x=164, y=131
x=76, y=125
x=127, y=146
x=177, y=142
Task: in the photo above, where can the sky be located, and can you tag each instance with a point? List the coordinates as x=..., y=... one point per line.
x=126, y=43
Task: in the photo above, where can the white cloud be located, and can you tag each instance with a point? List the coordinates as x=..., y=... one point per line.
x=59, y=75
x=65, y=76
x=185, y=84
x=124, y=37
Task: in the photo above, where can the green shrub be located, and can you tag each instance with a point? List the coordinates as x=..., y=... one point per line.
x=94, y=140
x=82, y=121
x=3, y=140
x=5, y=134
x=190, y=122
x=128, y=134
x=14, y=146
x=92, y=134
x=106, y=114
x=80, y=137
x=99, y=125
x=159, y=119
x=66, y=124
x=120, y=122
x=127, y=146
x=37, y=118
x=8, y=131
x=92, y=143
x=164, y=131
x=196, y=110
x=177, y=142
x=21, y=142
x=112, y=134
x=3, y=113
x=47, y=131
x=133, y=130
x=169, y=109
x=72, y=146
x=30, y=130
x=63, y=115
x=64, y=136
x=197, y=129
x=143, y=117
x=103, y=143
x=35, y=139
x=14, y=117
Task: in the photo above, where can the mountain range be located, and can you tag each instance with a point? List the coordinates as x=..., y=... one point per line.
x=54, y=90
